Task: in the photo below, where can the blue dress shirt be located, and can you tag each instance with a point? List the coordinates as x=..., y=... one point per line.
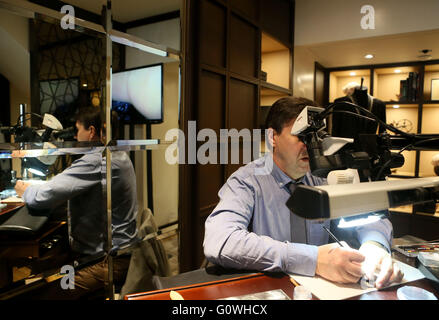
x=82, y=185
x=252, y=228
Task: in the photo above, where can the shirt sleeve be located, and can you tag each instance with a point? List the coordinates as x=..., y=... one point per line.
x=229, y=243
x=380, y=231
x=79, y=177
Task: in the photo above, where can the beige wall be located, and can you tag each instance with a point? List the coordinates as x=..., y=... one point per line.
x=277, y=66
x=15, y=59
x=426, y=169
x=337, y=84
x=303, y=73
x=430, y=119
x=165, y=176
x=320, y=21
x=15, y=64
x=268, y=100
x=388, y=86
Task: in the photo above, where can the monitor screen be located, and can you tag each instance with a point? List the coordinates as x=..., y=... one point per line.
x=138, y=95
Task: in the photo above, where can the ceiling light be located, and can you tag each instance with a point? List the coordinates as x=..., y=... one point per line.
x=369, y=56
x=396, y=106
x=397, y=71
x=84, y=85
x=352, y=74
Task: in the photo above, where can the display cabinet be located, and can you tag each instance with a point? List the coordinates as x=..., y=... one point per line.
x=339, y=79
x=409, y=92
x=276, y=75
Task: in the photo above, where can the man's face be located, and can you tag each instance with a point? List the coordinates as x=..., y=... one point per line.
x=83, y=134
x=289, y=153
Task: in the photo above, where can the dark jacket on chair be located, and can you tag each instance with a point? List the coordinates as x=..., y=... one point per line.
x=147, y=260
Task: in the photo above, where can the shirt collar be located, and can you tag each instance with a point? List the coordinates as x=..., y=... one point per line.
x=281, y=177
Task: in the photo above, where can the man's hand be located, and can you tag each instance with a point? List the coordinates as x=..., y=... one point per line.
x=20, y=187
x=339, y=264
x=379, y=262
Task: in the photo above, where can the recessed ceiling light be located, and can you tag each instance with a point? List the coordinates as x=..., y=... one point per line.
x=397, y=71
x=84, y=84
x=352, y=74
x=369, y=56
x=396, y=106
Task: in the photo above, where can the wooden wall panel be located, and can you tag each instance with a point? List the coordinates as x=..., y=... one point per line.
x=211, y=105
x=242, y=115
x=243, y=47
x=211, y=178
x=223, y=59
x=276, y=19
x=211, y=110
x=243, y=102
x=213, y=20
x=248, y=8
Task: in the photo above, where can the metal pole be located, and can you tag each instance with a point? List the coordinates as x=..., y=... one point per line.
x=108, y=71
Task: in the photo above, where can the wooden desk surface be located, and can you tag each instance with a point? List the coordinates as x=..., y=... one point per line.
x=259, y=283
x=10, y=207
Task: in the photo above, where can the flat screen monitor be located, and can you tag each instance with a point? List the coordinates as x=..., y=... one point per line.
x=138, y=94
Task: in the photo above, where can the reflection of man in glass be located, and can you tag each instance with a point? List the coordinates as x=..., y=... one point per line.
x=81, y=185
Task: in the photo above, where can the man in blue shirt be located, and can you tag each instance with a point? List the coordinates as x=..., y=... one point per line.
x=81, y=185
x=252, y=228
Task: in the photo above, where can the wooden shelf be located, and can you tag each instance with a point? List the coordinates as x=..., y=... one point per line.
x=402, y=103
x=273, y=89
x=276, y=61
x=386, y=87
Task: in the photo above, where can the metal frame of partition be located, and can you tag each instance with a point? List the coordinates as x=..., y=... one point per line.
x=31, y=10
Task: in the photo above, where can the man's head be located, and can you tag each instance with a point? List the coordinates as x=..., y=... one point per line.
x=289, y=153
x=88, y=124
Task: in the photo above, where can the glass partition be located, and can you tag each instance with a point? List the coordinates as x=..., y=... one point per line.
x=61, y=70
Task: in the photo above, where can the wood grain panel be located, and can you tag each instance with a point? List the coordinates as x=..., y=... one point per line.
x=242, y=115
x=276, y=18
x=243, y=47
x=212, y=34
x=211, y=106
x=248, y=8
x=242, y=104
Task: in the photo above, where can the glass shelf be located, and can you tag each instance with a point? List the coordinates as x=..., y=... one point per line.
x=34, y=149
x=28, y=150
x=137, y=145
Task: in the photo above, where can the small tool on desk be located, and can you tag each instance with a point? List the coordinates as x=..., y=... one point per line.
x=174, y=295
x=296, y=284
x=332, y=236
